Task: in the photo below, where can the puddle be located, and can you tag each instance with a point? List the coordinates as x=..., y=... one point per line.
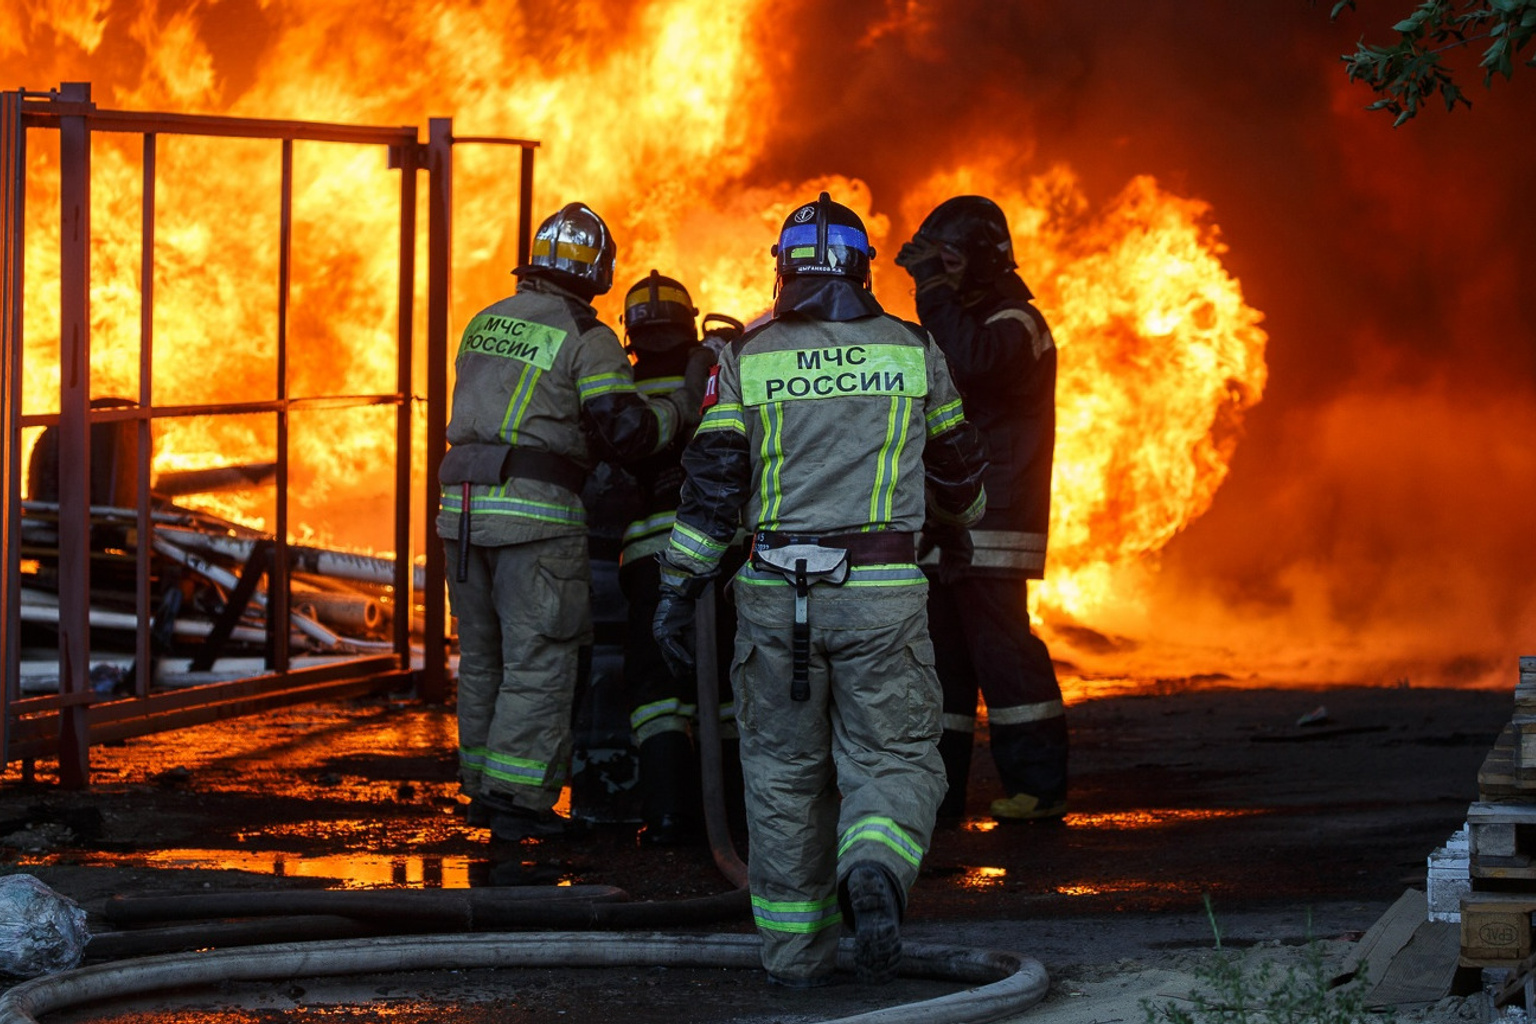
x=982, y=878
x=345, y=871
x=1157, y=817
x=1123, y=886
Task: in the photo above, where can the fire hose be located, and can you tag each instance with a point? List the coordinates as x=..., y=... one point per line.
x=1004, y=983
x=352, y=932
x=716, y=825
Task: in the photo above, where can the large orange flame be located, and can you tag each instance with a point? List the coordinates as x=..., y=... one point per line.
x=648, y=113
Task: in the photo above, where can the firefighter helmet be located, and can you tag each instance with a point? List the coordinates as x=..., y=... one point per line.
x=575, y=241
x=975, y=227
x=658, y=307
x=824, y=238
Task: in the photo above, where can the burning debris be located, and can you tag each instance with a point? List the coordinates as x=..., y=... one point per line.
x=209, y=580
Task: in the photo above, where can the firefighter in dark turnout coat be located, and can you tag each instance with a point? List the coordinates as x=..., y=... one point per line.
x=543, y=391
x=1004, y=362
x=835, y=429
x=662, y=338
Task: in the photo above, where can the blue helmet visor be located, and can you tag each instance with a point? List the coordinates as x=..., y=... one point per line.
x=798, y=241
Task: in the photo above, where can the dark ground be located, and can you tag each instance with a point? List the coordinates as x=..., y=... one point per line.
x=1293, y=831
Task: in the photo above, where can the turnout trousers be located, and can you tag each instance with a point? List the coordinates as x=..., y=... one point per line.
x=851, y=775
x=664, y=709
x=524, y=615
x=982, y=640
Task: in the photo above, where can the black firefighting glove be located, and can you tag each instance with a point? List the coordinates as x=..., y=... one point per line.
x=955, y=549
x=930, y=263
x=672, y=625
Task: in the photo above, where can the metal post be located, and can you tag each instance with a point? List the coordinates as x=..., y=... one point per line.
x=405, y=384
x=278, y=626
x=525, y=206
x=12, y=246
x=434, y=676
x=142, y=654
x=74, y=437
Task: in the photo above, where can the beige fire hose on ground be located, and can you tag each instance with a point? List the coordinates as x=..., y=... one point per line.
x=1005, y=983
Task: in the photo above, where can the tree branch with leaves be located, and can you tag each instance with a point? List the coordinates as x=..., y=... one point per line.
x=1409, y=73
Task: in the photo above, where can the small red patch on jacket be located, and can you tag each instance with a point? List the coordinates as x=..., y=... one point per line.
x=711, y=389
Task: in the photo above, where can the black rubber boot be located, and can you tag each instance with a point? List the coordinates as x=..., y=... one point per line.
x=876, y=911
x=669, y=786
x=511, y=823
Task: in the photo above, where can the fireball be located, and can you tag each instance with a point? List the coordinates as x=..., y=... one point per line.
x=648, y=112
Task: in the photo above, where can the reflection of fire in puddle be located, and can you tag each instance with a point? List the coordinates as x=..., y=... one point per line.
x=983, y=878
x=1128, y=885
x=346, y=871
x=979, y=824
x=1154, y=817
x=1157, y=817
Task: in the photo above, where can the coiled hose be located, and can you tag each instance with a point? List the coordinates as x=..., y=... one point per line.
x=358, y=932
x=1007, y=983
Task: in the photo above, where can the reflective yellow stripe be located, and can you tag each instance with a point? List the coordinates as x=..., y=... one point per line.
x=664, y=293
x=801, y=917
x=566, y=250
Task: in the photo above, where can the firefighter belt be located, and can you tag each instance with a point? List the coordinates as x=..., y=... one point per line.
x=807, y=560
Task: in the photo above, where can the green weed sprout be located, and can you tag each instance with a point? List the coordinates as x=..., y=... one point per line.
x=1228, y=991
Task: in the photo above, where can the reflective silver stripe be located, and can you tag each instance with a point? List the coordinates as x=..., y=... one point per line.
x=661, y=522
x=1009, y=540
x=999, y=549
x=894, y=575
x=882, y=830
x=959, y=723
x=658, y=385
x=990, y=558
x=1008, y=549
x=804, y=917
x=1040, y=341
x=657, y=726
x=641, y=548
x=1026, y=713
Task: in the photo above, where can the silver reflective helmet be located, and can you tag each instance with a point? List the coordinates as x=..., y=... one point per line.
x=575, y=240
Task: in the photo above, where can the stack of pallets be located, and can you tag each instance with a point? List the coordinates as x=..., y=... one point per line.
x=1496, y=914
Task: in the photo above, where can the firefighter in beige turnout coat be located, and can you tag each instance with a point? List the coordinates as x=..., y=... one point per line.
x=543, y=391
x=834, y=429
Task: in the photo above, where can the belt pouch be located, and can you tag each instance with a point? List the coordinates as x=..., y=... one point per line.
x=803, y=565
x=468, y=464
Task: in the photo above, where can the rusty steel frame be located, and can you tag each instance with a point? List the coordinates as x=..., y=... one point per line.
x=68, y=723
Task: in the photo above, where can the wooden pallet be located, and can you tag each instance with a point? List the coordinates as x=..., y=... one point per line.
x=1500, y=779
x=1525, y=689
x=1501, y=840
x=1496, y=929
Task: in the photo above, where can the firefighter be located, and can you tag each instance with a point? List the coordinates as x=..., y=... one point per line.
x=1000, y=350
x=543, y=391
x=831, y=428
x=660, y=333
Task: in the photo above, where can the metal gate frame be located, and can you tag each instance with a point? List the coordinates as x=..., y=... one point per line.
x=66, y=724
